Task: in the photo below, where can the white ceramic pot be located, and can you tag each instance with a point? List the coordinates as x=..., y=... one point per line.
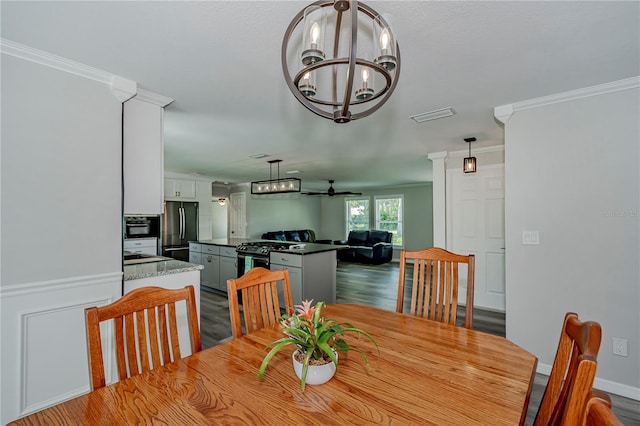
x=316, y=374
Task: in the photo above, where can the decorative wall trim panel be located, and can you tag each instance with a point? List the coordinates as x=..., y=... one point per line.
x=44, y=353
x=57, y=285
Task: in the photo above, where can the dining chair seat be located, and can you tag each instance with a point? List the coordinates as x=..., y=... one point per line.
x=259, y=293
x=145, y=328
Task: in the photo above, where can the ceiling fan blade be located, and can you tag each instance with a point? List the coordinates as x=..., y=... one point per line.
x=331, y=192
x=348, y=193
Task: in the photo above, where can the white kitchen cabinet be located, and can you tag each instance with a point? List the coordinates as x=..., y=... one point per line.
x=179, y=189
x=211, y=271
x=142, y=245
x=228, y=266
x=295, y=282
x=142, y=157
x=311, y=276
x=220, y=263
x=195, y=258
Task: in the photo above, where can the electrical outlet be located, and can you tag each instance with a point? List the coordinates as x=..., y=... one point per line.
x=619, y=346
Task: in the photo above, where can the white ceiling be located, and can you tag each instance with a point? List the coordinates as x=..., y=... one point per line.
x=220, y=61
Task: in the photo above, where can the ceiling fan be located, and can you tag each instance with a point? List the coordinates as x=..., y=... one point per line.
x=331, y=192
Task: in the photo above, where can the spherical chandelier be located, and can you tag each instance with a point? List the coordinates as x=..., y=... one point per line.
x=350, y=73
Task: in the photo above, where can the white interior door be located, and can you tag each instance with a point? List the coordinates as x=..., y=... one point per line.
x=237, y=215
x=475, y=225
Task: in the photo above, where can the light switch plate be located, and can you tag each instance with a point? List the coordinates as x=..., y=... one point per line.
x=530, y=237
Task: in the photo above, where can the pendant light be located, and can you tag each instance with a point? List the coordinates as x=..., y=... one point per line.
x=469, y=163
x=350, y=60
x=275, y=186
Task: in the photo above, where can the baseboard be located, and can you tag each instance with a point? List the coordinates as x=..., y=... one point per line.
x=602, y=384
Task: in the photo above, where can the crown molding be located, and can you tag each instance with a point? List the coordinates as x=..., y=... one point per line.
x=504, y=112
x=153, y=98
x=121, y=88
x=486, y=149
x=437, y=155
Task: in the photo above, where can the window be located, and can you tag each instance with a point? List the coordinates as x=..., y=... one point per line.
x=357, y=214
x=389, y=212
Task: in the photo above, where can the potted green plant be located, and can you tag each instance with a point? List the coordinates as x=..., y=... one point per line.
x=317, y=339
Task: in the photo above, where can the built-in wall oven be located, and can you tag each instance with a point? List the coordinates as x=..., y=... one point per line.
x=141, y=227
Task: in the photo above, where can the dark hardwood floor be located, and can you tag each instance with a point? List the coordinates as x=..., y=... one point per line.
x=377, y=285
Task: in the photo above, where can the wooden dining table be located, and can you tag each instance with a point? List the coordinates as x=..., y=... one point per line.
x=426, y=373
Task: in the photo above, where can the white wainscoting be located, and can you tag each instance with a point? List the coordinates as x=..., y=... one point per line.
x=44, y=354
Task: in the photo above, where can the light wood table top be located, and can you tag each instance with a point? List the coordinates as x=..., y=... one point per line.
x=427, y=373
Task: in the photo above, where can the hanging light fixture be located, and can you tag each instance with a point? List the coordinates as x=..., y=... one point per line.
x=469, y=163
x=275, y=186
x=352, y=75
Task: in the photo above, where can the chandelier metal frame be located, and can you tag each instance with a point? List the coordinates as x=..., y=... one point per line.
x=341, y=108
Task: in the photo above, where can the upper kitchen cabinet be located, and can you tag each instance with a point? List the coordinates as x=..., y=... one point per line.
x=179, y=189
x=143, y=160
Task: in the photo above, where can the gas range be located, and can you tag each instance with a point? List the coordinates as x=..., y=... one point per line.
x=262, y=248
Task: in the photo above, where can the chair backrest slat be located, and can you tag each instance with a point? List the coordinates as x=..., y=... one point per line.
x=435, y=284
x=141, y=345
x=574, y=368
x=139, y=321
x=164, y=334
x=261, y=306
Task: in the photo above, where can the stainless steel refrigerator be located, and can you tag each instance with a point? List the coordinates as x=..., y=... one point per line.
x=179, y=226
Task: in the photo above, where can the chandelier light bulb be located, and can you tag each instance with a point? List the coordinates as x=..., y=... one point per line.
x=384, y=41
x=365, y=76
x=315, y=33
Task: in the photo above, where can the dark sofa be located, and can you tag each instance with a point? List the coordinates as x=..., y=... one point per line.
x=302, y=236
x=371, y=246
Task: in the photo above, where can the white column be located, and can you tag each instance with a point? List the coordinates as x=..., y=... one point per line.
x=438, y=160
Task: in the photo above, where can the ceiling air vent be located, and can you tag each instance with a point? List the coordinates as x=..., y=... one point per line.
x=433, y=115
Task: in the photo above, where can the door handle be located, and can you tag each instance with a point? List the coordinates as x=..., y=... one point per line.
x=181, y=222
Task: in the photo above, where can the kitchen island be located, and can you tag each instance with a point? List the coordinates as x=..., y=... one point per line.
x=168, y=273
x=312, y=267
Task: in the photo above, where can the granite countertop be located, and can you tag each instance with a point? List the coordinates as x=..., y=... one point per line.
x=154, y=269
x=309, y=248
x=228, y=242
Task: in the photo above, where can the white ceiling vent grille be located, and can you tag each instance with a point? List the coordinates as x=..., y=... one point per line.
x=433, y=115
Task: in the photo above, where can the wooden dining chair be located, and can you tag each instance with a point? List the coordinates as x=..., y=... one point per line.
x=564, y=401
x=260, y=305
x=434, y=293
x=145, y=328
x=599, y=412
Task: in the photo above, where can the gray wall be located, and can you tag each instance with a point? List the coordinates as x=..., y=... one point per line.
x=326, y=215
x=571, y=171
x=281, y=212
x=418, y=215
x=61, y=228
x=61, y=175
